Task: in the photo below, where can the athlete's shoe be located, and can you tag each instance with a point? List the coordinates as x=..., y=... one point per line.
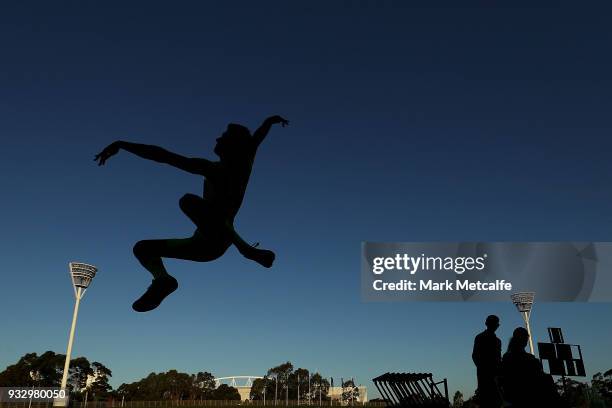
x=261, y=256
x=159, y=289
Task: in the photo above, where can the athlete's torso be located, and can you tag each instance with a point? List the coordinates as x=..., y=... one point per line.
x=224, y=190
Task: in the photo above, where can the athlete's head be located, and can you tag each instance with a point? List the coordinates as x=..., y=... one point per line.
x=234, y=143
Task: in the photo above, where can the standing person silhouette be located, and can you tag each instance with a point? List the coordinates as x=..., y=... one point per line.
x=524, y=382
x=213, y=214
x=487, y=358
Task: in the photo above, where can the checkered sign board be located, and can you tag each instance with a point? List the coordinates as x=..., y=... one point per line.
x=563, y=359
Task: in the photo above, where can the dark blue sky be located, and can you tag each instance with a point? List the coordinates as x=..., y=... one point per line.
x=483, y=122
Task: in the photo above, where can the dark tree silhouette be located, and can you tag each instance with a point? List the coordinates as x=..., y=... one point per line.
x=45, y=370
x=288, y=377
x=226, y=393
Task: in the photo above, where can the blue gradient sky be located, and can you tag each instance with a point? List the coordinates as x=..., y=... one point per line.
x=407, y=124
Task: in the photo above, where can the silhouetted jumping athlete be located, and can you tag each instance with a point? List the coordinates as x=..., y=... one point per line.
x=487, y=357
x=213, y=214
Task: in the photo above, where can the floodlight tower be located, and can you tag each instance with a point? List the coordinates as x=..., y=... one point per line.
x=81, y=274
x=524, y=302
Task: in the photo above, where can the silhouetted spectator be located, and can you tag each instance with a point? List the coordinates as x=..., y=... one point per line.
x=487, y=357
x=523, y=380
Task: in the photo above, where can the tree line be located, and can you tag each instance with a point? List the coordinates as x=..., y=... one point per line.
x=90, y=380
x=283, y=382
x=45, y=370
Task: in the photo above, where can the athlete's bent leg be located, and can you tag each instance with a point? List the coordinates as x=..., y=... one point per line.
x=193, y=207
x=150, y=254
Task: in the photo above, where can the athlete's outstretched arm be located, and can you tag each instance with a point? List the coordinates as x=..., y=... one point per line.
x=261, y=133
x=156, y=153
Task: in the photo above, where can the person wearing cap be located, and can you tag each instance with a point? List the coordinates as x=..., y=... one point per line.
x=487, y=358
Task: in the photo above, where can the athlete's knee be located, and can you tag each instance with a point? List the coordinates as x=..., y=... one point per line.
x=142, y=249
x=188, y=201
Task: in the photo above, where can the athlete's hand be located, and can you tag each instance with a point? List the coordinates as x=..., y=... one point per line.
x=109, y=151
x=278, y=119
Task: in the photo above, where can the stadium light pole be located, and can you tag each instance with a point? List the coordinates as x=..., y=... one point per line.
x=524, y=302
x=81, y=274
